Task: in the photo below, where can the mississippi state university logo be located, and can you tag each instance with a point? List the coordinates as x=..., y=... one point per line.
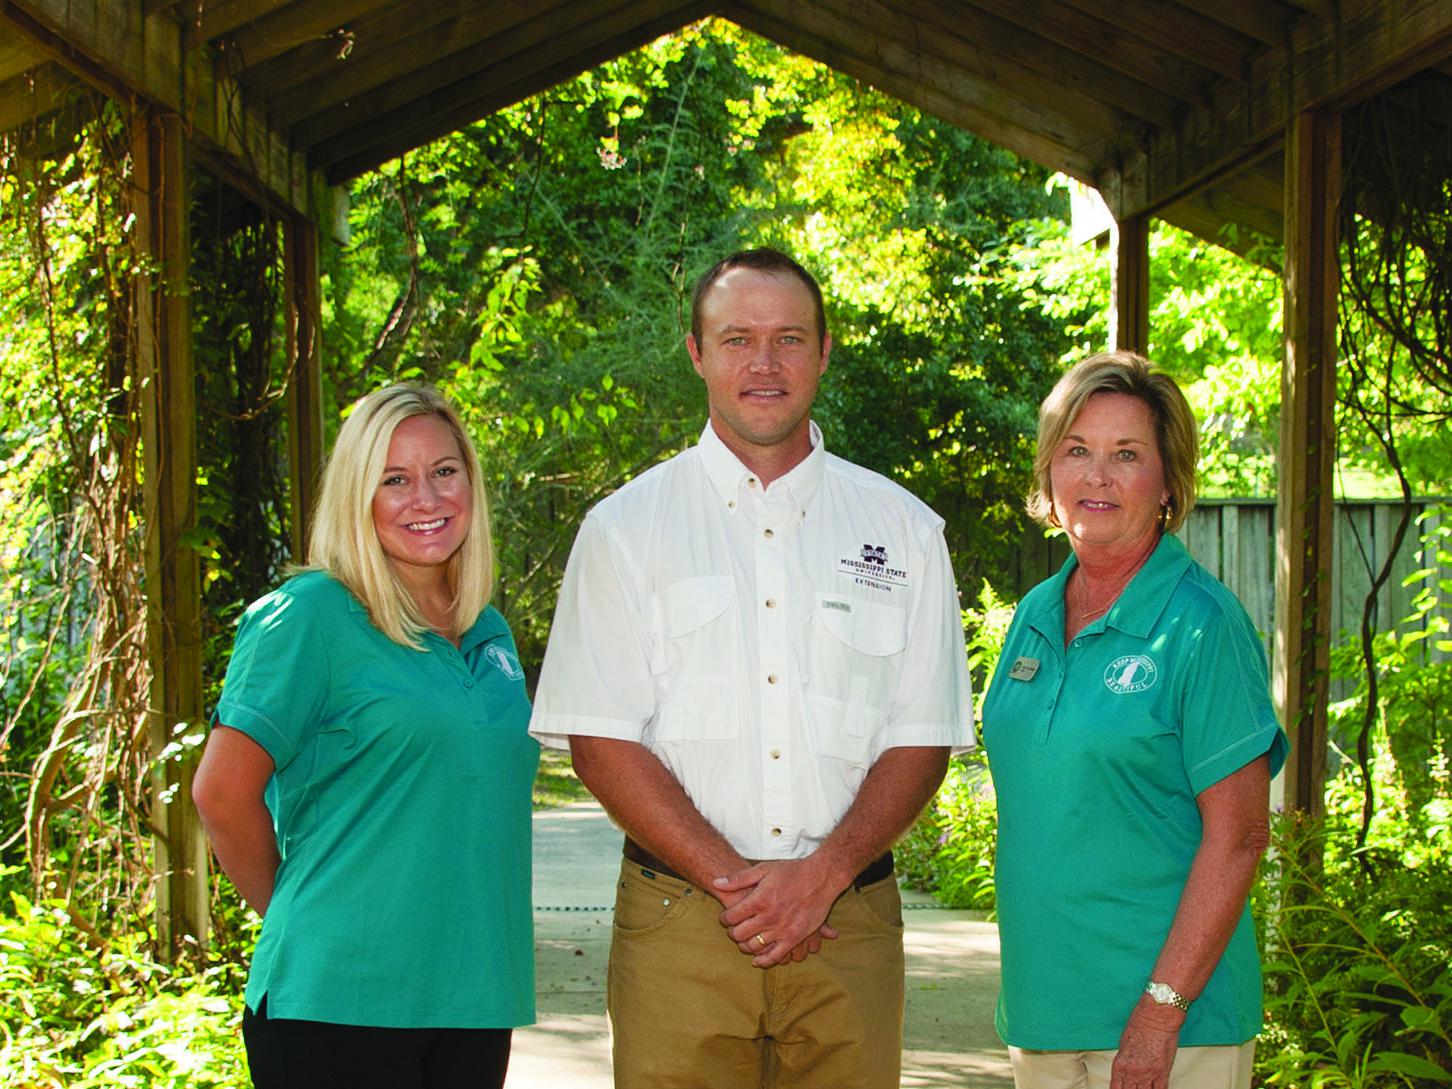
x=1132, y=673
x=871, y=567
x=504, y=661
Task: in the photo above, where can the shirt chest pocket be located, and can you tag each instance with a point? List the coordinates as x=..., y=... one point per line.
x=693, y=657
x=853, y=663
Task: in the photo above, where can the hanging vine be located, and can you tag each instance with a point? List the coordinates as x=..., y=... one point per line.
x=1395, y=317
x=75, y=677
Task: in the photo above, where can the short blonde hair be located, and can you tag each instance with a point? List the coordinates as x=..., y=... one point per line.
x=1120, y=372
x=345, y=541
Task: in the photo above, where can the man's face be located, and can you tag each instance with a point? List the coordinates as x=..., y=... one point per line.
x=760, y=358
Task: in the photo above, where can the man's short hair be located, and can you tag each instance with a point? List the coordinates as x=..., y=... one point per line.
x=764, y=259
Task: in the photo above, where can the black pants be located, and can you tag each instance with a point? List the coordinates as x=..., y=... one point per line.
x=288, y=1054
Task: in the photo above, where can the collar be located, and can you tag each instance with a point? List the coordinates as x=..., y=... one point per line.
x=728, y=475
x=486, y=629
x=1137, y=609
x=488, y=626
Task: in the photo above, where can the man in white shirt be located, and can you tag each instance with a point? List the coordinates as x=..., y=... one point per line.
x=757, y=661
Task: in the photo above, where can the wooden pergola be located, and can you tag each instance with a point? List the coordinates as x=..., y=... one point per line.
x=1203, y=113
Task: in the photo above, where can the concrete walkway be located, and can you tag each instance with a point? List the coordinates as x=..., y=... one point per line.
x=952, y=972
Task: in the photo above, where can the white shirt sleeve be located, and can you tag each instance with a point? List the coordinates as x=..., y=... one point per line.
x=596, y=677
x=934, y=700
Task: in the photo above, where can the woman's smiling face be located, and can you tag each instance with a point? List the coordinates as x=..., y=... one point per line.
x=1108, y=478
x=423, y=503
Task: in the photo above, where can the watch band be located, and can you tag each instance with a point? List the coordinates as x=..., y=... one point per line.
x=1166, y=995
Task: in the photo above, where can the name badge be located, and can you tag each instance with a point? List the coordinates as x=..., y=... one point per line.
x=1023, y=669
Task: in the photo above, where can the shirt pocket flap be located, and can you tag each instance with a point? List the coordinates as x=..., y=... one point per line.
x=868, y=627
x=692, y=603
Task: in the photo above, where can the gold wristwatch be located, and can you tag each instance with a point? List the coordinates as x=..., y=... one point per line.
x=1166, y=995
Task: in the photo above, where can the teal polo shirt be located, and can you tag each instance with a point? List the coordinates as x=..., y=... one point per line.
x=1098, y=751
x=401, y=803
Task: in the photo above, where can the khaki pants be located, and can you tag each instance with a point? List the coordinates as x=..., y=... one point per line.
x=689, y=1011
x=1195, y=1068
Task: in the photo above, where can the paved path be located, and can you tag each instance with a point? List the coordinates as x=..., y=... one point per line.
x=952, y=972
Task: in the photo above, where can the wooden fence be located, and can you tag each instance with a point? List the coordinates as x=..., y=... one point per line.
x=1235, y=540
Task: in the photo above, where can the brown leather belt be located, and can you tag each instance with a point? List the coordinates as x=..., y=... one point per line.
x=877, y=869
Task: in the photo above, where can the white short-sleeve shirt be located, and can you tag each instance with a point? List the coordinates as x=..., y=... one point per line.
x=767, y=645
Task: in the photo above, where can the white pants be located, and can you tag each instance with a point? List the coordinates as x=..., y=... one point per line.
x=1195, y=1068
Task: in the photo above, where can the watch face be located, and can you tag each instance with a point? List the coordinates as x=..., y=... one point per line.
x=1166, y=995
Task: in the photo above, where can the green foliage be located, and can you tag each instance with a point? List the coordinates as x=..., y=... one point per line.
x=950, y=850
x=83, y=1010
x=1357, y=941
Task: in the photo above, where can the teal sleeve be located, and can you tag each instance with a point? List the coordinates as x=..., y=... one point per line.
x=277, y=679
x=1227, y=719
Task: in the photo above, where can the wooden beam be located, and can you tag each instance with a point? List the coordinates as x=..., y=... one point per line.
x=1304, y=595
x=114, y=49
x=1264, y=21
x=368, y=42
x=391, y=66
x=1109, y=46
x=173, y=571
x=376, y=140
x=292, y=26
x=1374, y=46
x=305, y=387
x=1321, y=9
x=1050, y=68
x=35, y=95
x=17, y=56
x=903, y=41
x=1027, y=129
x=1176, y=30
x=1129, y=290
x=215, y=18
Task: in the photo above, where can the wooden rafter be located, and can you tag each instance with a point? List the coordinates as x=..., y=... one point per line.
x=464, y=46
x=380, y=139
x=1029, y=129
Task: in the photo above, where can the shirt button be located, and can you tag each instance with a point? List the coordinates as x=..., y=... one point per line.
x=771, y=603
x=768, y=534
x=776, y=754
x=751, y=482
x=771, y=678
x=468, y=682
x=776, y=831
x=731, y=504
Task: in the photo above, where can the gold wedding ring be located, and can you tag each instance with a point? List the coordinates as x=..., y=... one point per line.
x=760, y=941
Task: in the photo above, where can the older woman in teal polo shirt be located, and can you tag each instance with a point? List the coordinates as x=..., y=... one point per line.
x=367, y=782
x=1132, y=741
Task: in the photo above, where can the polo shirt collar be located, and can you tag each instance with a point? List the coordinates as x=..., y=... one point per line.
x=1143, y=601
x=1137, y=609
x=727, y=474
x=488, y=627
x=490, y=624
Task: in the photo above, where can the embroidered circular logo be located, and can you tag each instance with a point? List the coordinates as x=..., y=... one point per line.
x=504, y=661
x=1132, y=673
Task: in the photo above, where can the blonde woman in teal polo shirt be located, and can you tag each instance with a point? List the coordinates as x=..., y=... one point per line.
x=1132, y=741
x=366, y=785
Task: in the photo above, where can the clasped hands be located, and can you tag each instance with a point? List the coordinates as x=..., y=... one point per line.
x=777, y=911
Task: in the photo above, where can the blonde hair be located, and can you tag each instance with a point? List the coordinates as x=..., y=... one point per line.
x=1120, y=372
x=345, y=541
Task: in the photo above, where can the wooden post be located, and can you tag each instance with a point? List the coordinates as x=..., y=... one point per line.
x=1129, y=289
x=173, y=575
x=305, y=390
x=1307, y=452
